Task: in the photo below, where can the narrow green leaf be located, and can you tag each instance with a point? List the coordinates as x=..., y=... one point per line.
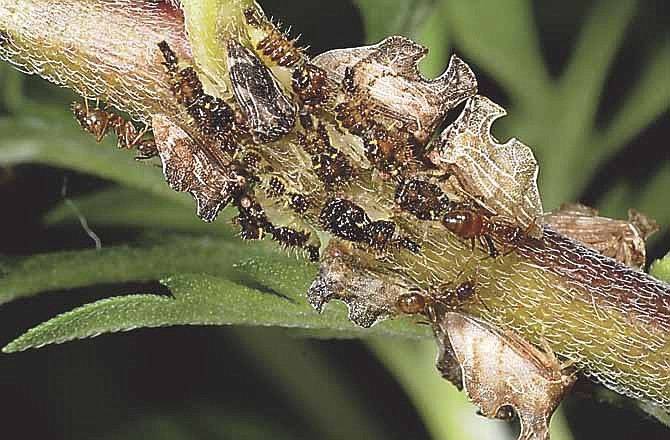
x=58, y=141
x=446, y=411
x=382, y=18
x=501, y=38
x=314, y=386
x=191, y=421
x=130, y=207
x=582, y=83
x=568, y=123
x=11, y=88
x=198, y=300
x=661, y=268
x=559, y=427
x=151, y=260
x=646, y=102
x=421, y=20
x=433, y=34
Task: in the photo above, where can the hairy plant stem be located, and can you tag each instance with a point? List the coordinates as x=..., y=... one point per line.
x=612, y=321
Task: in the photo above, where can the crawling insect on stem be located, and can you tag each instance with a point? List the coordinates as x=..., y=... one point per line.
x=276, y=44
x=424, y=200
x=100, y=122
x=350, y=222
x=445, y=298
x=476, y=223
x=612, y=320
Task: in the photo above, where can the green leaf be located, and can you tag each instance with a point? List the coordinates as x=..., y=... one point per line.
x=130, y=207
x=11, y=85
x=57, y=141
x=191, y=421
x=219, y=282
x=501, y=37
x=197, y=300
x=382, y=18
x=582, y=83
x=646, y=102
x=446, y=412
x=661, y=268
x=433, y=35
x=311, y=383
x=149, y=260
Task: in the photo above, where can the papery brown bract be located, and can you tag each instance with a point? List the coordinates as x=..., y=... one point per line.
x=351, y=276
x=501, y=177
x=187, y=168
x=499, y=369
x=385, y=78
x=620, y=239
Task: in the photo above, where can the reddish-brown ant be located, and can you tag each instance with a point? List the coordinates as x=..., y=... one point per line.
x=471, y=222
x=99, y=122
x=414, y=302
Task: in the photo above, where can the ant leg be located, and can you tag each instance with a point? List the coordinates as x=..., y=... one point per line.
x=475, y=282
x=137, y=138
x=493, y=252
x=518, y=235
x=465, y=266
x=103, y=131
x=481, y=301
x=507, y=252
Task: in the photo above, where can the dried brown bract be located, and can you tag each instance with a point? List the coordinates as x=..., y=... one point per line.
x=352, y=276
x=385, y=78
x=501, y=177
x=620, y=239
x=188, y=168
x=500, y=370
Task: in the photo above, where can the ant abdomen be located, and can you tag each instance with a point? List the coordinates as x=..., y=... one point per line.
x=464, y=223
x=411, y=303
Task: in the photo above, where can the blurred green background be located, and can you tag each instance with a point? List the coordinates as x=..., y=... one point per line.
x=587, y=86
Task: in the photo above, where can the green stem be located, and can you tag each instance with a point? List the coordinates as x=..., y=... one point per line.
x=446, y=412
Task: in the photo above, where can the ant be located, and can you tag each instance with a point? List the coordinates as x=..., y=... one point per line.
x=450, y=298
x=99, y=122
x=472, y=222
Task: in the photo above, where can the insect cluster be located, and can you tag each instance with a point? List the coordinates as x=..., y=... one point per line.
x=337, y=156
x=384, y=110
